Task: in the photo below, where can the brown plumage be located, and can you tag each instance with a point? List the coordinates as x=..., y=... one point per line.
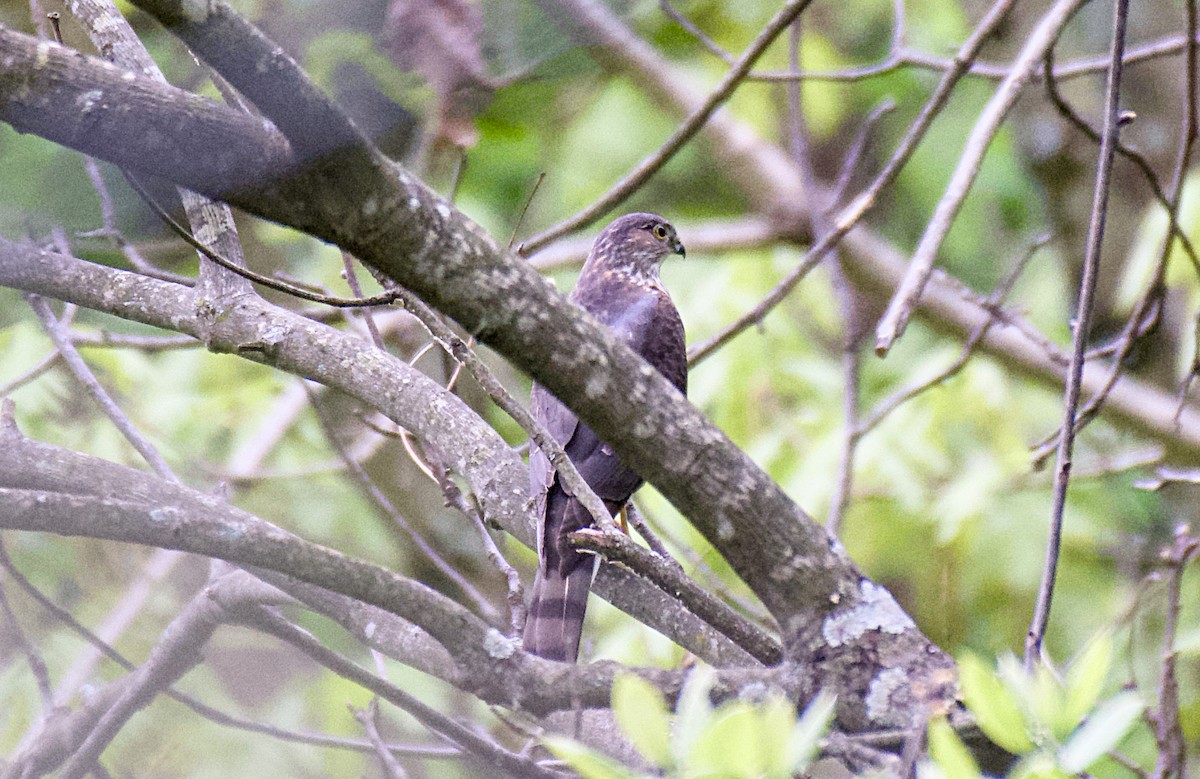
x=620, y=286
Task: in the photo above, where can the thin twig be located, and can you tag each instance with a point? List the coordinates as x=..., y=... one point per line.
x=1168, y=729
x=1128, y=763
x=690, y=26
x=859, y=145
x=692, y=125
x=525, y=208
x=384, y=506
x=383, y=299
x=490, y=752
x=899, y=27
x=110, y=231
x=638, y=523
x=454, y=497
x=501, y=397
x=368, y=719
x=43, y=365
x=37, y=665
x=460, y=172
x=904, y=302
x=701, y=351
x=83, y=374
x=1087, y=286
x=144, y=343
x=617, y=546
x=367, y=314
x=913, y=744
x=865, y=201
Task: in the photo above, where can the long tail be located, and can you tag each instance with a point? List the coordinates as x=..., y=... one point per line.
x=555, y=621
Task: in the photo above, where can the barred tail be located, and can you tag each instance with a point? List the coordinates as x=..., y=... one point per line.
x=555, y=621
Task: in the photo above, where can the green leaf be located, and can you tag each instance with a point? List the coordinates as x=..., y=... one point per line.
x=777, y=717
x=1039, y=765
x=993, y=706
x=1086, y=677
x=1048, y=702
x=642, y=714
x=693, y=711
x=949, y=752
x=729, y=745
x=586, y=761
x=1104, y=729
x=809, y=730
x=1188, y=643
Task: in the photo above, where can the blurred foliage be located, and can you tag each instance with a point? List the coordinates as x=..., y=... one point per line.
x=738, y=739
x=946, y=509
x=1057, y=726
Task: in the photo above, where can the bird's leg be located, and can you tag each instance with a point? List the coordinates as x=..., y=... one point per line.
x=623, y=519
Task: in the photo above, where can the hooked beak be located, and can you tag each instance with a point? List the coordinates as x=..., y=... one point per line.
x=677, y=247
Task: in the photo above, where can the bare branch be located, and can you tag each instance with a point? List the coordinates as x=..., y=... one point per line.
x=685, y=132
x=495, y=755
x=37, y=665
x=619, y=547
x=177, y=652
x=386, y=509
x=1087, y=287
x=904, y=302
x=83, y=374
x=367, y=718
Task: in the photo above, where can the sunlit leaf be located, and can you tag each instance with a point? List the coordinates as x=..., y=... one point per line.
x=993, y=705
x=1104, y=729
x=949, y=752
x=589, y=763
x=729, y=745
x=777, y=717
x=1047, y=701
x=692, y=711
x=1039, y=765
x=1086, y=677
x=642, y=716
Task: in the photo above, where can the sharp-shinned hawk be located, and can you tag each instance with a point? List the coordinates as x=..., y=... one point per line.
x=620, y=286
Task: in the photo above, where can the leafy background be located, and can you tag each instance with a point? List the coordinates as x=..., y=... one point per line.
x=947, y=511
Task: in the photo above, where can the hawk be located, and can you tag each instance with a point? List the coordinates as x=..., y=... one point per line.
x=620, y=286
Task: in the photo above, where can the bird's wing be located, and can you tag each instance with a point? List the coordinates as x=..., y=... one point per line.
x=649, y=323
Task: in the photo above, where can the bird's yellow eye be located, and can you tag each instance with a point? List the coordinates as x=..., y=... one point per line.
x=660, y=232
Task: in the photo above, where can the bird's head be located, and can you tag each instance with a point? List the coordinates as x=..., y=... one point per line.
x=635, y=244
